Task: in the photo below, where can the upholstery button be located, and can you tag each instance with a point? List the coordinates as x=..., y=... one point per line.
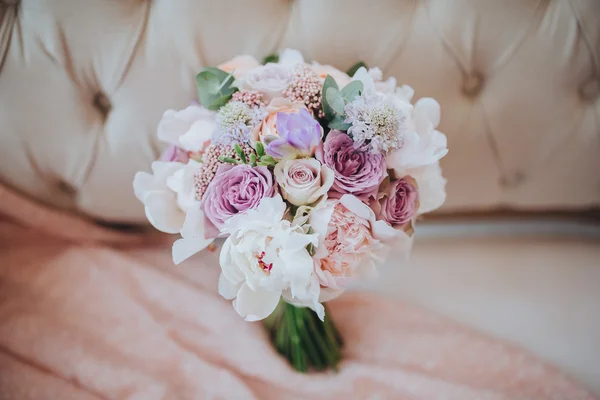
x=473, y=84
x=590, y=90
x=102, y=103
x=513, y=179
x=67, y=188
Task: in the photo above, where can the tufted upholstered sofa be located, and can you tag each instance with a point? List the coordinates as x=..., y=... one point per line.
x=83, y=84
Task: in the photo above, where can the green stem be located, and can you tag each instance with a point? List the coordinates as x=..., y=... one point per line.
x=303, y=339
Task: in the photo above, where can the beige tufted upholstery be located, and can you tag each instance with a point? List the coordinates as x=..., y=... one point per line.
x=84, y=82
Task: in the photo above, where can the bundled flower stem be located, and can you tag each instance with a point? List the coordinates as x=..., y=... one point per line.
x=303, y=339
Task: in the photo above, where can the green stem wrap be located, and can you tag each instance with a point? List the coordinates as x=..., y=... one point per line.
x=303, y=339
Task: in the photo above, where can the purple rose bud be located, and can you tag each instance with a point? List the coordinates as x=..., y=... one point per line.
x=299, y=136
x=235, y=189
x=357, y=170
x=398, y=202
x=174, y=153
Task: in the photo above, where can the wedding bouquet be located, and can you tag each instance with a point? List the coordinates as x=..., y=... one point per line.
x=310, y=175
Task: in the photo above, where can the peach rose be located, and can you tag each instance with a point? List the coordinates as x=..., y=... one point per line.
x=269, y=125
x=341, y=78
x=239, y=65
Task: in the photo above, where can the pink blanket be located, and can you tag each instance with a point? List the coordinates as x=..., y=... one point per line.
x=89, y=313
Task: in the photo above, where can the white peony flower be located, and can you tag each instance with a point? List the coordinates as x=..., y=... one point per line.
x=303, y=181
x=265, y=257
x=160, y=202
x=422, y=143
x=190, y=129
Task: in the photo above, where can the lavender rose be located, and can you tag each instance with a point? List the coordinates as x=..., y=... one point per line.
x=398, y=202
x=357, y=170
x=299, y=135
x=235, y=189
x=304, y=181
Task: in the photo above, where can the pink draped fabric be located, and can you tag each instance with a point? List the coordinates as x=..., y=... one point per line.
x=90, y=313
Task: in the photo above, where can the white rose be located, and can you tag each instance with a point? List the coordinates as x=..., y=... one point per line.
x=270, y=79
x=303, y=181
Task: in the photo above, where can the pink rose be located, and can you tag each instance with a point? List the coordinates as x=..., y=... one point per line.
x=235, y=189
x=268, y=128
x=358, y=171
x=397, y=203
x=239, y=65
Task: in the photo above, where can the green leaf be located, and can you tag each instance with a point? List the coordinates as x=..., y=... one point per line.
x=271, y=58
x=214, y=87
x=351, y=90
x=328, y=83
x=227, y=160
x=218, y=102
x=260, y=149
x=355, y=68
x=335, y=101
x=240, y=153
x=268, y=159
x=339, y=124
x=252, y=159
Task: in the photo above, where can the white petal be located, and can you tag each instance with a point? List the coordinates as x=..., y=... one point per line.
x=428, y=108
x=298, y=266
x=182, y=183
x=291, y=56
x=432, y=186
x=142, y=183
x=362, y=75
x=254, y=306
x=353, y=204
x=170, y=128
x=193, y=240
x=228, y=289
x=197, y=136
x=162, y=211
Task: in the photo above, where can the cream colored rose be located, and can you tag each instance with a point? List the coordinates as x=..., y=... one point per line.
x=240, y=65
x=268, y=126
x=303, y=181
x=341, y=78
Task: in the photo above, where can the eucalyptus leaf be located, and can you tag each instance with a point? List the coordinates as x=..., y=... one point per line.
x=351, y=90
x=356, y=67
x=335, y=101
x=339, y=124
x=214, y=87
x=328, y=83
